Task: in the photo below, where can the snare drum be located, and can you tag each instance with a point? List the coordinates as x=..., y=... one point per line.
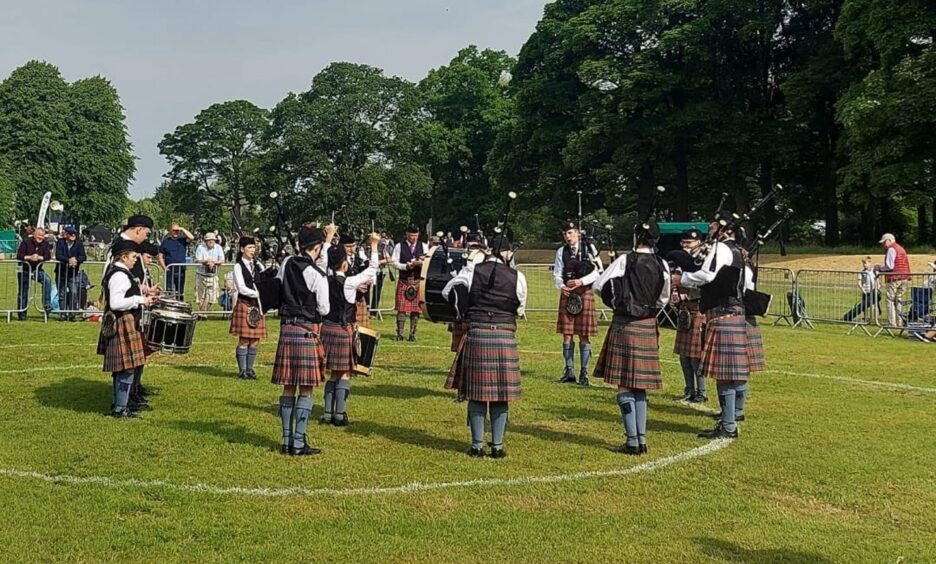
x=365, y=350
x=169, y=326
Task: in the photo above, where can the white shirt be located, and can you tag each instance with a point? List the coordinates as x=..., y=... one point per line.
x=242, y=288
x=619, y=267
x=465, y=277
x=395, y=257
x=720, y=255
x=352, y=282
x=315, y=282
x=559, y=266
x=203, y=253
x=117, y=288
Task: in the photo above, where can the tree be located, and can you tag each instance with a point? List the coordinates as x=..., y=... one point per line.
x=214, y=154
x=347, y=141
x=7, y=198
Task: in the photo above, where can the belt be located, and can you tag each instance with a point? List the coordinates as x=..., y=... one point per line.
x=492, y=326
x=300, y=321
x=724, y=311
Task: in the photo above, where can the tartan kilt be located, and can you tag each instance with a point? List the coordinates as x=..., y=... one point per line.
x=689, y=343
x=487, y=366
x=630, y=355
x=125, y=350
x=458, y=330
x=584, y=324
x=300, y=359
x=725, y=354
x=755, y=348
x=361, y=313
x=338, y=344
x=239, y=324
x=404, y=305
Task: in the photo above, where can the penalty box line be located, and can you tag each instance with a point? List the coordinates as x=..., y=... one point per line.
x=414, y=487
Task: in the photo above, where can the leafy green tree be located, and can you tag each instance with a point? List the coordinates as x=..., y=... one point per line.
x=7, y=198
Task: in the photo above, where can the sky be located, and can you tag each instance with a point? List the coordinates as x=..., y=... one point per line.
x=169, y=59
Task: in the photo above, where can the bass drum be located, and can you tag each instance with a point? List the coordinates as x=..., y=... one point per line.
x=438, y=268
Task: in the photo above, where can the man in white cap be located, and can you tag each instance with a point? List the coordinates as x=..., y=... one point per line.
x=209, y=255
x=896, y=270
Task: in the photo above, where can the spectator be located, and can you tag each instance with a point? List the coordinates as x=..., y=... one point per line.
x=69, y=256
x=870, y=293
x=34, y=251
x=173, y=252
x=209, y=255
x=897, y=277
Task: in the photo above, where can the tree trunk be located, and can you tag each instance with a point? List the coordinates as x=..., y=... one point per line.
x=682, y=181
x=830, y=189
x=867, y=227
x=646, y=189
x=922, y=225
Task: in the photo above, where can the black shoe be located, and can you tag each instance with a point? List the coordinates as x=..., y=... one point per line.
x=123, y=414
x=583, y=381
x=340, y=420
x=699, y=398
x=398, y=338
x=718, y=432
x=412, y=337
x=284, y=449
x=137, y=407
x=305, y=450
x=476, y=452
x=242, y=375
x=643, y=448
x=625, y=449
x=144, y=391
x=687, y=396
x=567, y=378
x=737, y=418
x=497, y=451
x=251, y=375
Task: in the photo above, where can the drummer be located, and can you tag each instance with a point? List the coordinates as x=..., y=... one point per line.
x=121, y=341
x=340, y=325
x=246, y=268
x=148, y=287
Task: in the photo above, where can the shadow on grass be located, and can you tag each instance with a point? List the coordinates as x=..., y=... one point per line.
x=230, y=432
x=428, y=370
x=722, y=550
x=568, y=412
x=397, y=391
x=552, y=435
x=405, y=436
x=213, y=371
x=82, y=395
x=266, y=409
x=678, y=409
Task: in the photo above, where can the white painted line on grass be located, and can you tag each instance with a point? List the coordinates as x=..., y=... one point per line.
x=895, y=385
x=413, y=487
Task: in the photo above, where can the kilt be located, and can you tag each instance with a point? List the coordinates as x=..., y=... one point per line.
x=458, y=330
x=125, y=350
x=630, y=355
x=725, y=354
x=487, y=366
x=300, y=357
x=689, y=343
x=338, y=344
x=755, y=348
x=404, y=305
x=584, y=324
x=361, y=313
x=239, y=325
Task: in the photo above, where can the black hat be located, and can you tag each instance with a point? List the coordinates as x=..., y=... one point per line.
x=310, y=237
x=680, y=259
x=336, y=256
x=648, y=231
x=499, y=243
x=413, y=228
x=139, y=220
x=473, y=237
x=122, y=245
x=692, y=235
x=346, y=239
x=245, y=241
x=149, y=248
x=569, y=224
x=725, y=217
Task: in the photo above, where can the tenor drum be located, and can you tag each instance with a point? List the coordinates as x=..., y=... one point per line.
x=365, y=350
x=438, y=268
x=170, y=326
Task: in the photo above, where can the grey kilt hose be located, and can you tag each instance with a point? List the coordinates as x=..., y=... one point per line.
x=725, y=354
x=487, y=365
x=300, y=356
x=630, y=355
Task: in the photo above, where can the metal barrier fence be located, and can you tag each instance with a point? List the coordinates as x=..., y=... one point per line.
x=11, y=272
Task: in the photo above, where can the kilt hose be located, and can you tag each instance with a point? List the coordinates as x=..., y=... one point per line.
x=487, y=366
x=630, y=355
x=404, y=305
x=725, y=353
x=125, y=350
x=458, y=329
x=585, y=324
x=361, y=313
x=300, y=357
x=689, y=343
x=755, y=349
x=239, y=324
x=338, y=343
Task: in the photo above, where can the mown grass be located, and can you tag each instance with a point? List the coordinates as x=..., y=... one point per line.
x=825, y=470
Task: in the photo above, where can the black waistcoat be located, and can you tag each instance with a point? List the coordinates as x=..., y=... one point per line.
x=493, y=293
x=340, y=311
x=406, y=257
x=635, y=294
x=727, y=290
x=297, y=301
x=575, y=266
x=133, y=291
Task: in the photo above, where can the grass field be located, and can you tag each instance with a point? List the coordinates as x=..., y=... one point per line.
x=834, y=464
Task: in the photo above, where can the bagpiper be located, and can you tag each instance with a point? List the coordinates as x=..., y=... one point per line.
x=247, y=320
x=486, y=371
x=407, y=259
x=635, y=287
x=689, y=320
x=573, y=274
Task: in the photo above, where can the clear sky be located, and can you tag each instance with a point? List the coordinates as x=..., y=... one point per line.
x=169, y=59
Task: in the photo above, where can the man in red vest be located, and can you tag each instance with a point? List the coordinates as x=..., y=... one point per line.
x=897, y=277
